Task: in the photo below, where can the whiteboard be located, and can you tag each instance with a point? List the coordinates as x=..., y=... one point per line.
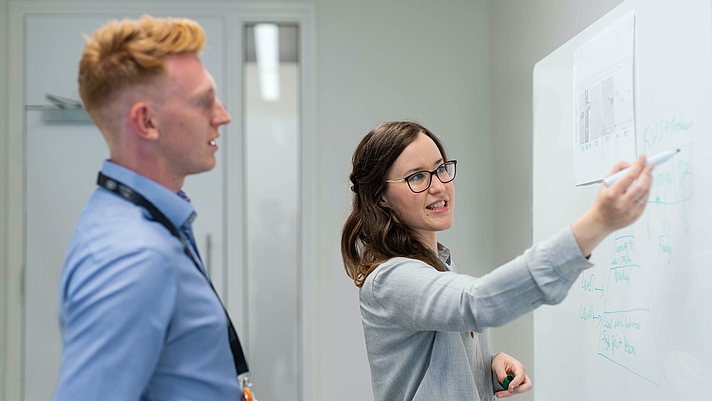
x=636, y=326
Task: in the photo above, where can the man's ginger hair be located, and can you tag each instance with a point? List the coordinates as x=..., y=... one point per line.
x=128, y=53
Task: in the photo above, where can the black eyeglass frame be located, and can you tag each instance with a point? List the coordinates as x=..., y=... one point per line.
x=430, y=176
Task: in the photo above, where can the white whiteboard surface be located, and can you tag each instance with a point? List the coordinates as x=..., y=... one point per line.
x=636, y=326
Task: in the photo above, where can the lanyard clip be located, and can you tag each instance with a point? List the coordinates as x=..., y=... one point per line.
x=246, y=393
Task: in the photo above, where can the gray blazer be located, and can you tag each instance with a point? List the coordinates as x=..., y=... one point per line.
x=417, y=320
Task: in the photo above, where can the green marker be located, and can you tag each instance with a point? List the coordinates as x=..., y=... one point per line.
x=507, y=380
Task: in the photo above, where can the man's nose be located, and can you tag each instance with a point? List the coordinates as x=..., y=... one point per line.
x=221, y=117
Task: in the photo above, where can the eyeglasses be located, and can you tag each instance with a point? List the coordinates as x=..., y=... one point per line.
x=420, y=180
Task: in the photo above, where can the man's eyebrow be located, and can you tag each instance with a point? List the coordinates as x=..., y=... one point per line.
x=204, y=94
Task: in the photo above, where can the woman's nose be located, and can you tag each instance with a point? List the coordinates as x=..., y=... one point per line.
x=436, y=186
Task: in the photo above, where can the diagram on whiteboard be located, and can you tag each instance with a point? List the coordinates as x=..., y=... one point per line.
x=617, y=299
x=604, y=99
x=626, y=338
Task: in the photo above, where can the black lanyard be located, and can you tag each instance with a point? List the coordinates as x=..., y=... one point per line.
x=126, y=192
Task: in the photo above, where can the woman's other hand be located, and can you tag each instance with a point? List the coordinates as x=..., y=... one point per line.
x=503, y=364
x=616, y=206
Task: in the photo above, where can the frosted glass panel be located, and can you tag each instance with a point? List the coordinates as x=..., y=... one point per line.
x=272, y=182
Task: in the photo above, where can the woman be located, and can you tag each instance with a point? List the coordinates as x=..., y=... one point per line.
x=425, y=325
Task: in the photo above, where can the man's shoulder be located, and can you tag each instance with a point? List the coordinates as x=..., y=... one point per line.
x=111, y=224
x=114, y=238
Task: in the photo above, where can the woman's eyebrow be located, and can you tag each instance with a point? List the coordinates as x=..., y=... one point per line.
x=416, y=169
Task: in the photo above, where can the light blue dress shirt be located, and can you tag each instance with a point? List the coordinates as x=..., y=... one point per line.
x=140, y=322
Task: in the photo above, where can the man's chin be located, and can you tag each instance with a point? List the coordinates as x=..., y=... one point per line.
x=202, y=169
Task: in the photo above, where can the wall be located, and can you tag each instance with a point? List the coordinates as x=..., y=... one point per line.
x=521, y=33
x=379, y=61
x=3, y=192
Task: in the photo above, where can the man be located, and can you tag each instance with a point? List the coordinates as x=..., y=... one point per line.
x=139, y=316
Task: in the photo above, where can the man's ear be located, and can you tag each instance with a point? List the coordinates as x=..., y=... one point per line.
x=143, y=122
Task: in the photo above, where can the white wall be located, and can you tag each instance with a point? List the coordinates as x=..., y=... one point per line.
x=3, y=193
x=380, y=61
x=521, y=33
x=385, y=60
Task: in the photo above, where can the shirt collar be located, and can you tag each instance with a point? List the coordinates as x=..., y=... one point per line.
x=444, y=254
x=177, y=209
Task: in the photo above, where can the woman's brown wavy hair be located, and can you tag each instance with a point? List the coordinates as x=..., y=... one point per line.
x=373, y=233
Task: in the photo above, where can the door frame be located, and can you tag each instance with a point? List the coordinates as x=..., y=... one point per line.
x=235, y=17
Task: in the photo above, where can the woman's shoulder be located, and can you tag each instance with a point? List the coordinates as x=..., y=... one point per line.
x=402, y=263
x=399, y=272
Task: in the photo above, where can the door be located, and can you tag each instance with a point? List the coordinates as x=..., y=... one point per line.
x=64, y=152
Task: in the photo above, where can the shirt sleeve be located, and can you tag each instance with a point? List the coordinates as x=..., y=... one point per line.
x=115, y=316
x=416, y=296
